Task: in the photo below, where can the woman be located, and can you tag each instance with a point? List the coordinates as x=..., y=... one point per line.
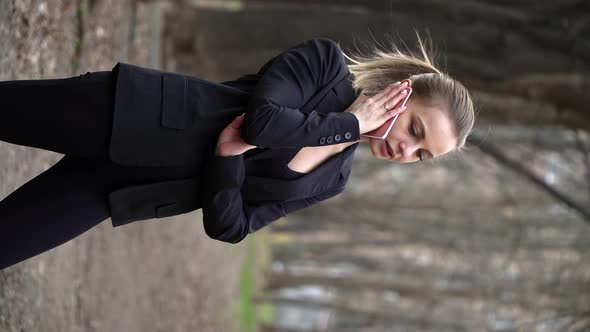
x=141, y=143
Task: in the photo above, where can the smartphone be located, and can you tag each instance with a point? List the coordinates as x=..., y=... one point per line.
x=383, y=130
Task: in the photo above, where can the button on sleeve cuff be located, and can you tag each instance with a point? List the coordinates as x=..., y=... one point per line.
x=351, y=124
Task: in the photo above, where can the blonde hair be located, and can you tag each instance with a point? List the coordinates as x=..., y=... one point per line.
x=429, y=84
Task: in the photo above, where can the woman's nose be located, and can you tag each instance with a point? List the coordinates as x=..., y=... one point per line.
x=408, y=148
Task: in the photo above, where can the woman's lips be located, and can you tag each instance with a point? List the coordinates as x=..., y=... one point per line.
x=387, y=150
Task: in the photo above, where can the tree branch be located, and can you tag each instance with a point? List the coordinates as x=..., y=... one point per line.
x=499, y=156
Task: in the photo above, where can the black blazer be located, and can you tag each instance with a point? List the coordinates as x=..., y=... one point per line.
x=297, y=99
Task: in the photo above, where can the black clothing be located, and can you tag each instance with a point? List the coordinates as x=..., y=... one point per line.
x=72, y=116
x=139, y=144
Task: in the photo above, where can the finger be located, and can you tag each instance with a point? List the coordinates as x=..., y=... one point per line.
x=240, y=120
x=389, y=93
x=385, y=91
x=395, y=111
x=237, y=122
x=398, y=99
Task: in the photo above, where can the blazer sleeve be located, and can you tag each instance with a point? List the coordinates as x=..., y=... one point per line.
x=273, y=117
x=226, y=217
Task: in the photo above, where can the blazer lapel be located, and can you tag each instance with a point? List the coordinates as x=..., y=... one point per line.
x=323, y=177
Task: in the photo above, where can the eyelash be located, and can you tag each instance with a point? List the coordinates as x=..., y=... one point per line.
x=414, y=133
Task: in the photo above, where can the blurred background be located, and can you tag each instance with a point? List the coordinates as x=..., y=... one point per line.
x=496, y=238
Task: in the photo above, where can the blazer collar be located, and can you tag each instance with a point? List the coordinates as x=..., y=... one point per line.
x=328, y=175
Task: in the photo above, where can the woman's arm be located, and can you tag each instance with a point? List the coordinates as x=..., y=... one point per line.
x=273, y=118
x=226, y=217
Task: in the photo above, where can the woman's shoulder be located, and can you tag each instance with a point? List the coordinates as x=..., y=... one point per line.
x=324, y=42
x=326, y=46
x=318, y=52
x=329, y=53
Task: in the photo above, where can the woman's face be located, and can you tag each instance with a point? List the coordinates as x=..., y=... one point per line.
x=420, y=132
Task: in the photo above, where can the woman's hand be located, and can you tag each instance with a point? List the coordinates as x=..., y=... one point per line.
x=230, y=143
x=371, y=112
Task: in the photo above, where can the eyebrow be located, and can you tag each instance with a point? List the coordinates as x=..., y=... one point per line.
x=423, y=130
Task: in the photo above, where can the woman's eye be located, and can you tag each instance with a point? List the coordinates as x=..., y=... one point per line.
x=413, y=132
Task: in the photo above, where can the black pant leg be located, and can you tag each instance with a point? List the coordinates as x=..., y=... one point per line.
x=69, y=115
x=66, y=200
x=59, y=204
